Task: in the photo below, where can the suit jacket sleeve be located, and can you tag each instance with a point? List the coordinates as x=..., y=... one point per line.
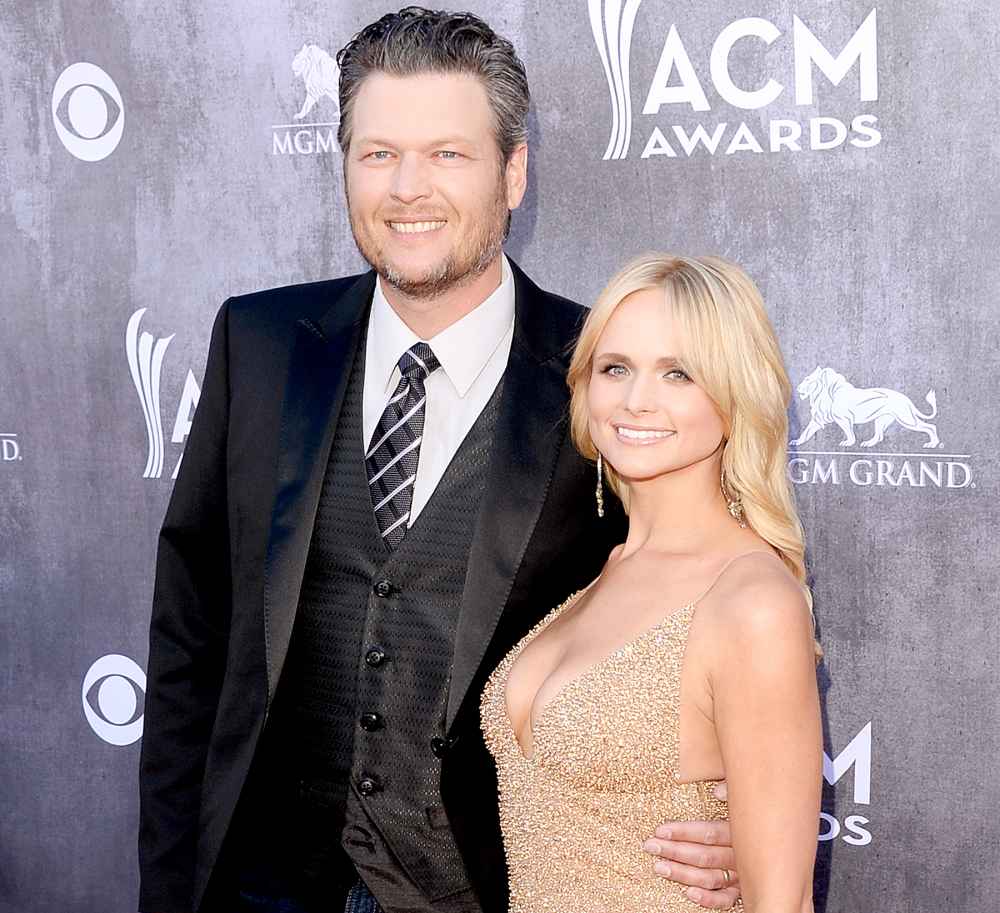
x=187, y=646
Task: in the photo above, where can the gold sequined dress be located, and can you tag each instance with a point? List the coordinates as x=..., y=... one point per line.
x=601, y=778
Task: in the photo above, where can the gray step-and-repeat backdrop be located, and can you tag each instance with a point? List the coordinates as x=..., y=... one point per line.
x=158, y=157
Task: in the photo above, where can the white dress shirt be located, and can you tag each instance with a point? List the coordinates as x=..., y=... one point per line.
x=473, y=354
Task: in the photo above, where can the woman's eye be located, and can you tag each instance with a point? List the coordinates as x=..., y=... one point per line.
x=614, y=370
x=677, y=374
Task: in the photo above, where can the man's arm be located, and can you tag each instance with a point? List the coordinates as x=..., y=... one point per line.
x=187, y=647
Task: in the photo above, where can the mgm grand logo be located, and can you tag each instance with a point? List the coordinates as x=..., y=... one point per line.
x=320, y=77
x=882, y=417
x=10, y=447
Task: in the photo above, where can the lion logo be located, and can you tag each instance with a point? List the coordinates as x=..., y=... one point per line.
x=833, y=399
x=320, y=73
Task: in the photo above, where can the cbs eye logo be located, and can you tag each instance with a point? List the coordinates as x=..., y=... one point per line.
x=88, y=112
x=114, y=718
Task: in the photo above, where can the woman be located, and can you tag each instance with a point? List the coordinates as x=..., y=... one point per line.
x=691, y=658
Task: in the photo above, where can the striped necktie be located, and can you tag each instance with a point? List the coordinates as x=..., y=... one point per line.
x=391, y=460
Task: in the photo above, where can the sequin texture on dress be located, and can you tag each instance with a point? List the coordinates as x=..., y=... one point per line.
x=601, y=778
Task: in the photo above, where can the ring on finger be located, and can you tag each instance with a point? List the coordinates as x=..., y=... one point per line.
x=727, y=877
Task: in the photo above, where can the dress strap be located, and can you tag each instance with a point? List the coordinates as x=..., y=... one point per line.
x=725, y=567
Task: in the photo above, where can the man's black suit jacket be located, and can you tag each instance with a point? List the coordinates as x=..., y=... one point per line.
x=233, y=548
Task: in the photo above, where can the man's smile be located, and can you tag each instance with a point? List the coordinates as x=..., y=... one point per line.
x=412, y=228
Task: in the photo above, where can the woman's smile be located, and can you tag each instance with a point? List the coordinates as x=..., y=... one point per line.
x=641, y=436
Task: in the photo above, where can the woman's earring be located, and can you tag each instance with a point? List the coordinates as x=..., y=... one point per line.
x=733, y=502
x=600, y=485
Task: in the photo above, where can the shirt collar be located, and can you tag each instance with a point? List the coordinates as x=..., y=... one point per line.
x=463, y=349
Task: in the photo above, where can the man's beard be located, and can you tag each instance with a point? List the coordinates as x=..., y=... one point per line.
x=460, y=267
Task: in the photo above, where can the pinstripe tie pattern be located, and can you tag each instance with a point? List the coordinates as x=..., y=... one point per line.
x=391, y=460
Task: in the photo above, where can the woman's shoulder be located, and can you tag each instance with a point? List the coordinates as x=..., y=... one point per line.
x=757, y=597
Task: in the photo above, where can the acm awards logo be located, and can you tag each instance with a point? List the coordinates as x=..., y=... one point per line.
x=320, y=77
x=145, y=355
x=676, y=82
x=110, y=701
x=857, y=755
x=88, y=112
x=878, y=414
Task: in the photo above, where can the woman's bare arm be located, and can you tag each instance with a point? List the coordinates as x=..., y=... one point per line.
x=767, y=719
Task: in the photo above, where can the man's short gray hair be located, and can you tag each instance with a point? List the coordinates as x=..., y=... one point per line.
x=417, y=40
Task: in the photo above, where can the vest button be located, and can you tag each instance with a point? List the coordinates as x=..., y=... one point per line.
x=371, y=722
x=375, y=657
x=383, y=588
x=367, y=786
x=439, y=746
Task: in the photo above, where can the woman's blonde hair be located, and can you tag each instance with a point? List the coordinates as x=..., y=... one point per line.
x=731, y=352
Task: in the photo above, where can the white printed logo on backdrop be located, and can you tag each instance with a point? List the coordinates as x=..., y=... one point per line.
x=320, y=77
x=676, y=82
x=857, y=756
x=114, y=679
x=10, y=447
x=88, y=112
x=884, y=419
x=145, y=354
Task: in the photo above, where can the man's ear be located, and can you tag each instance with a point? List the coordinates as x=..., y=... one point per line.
x=516, y=176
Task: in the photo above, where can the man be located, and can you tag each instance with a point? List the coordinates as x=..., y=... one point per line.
x=378, y=499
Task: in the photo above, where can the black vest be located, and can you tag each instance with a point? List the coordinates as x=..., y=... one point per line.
x=358, y=719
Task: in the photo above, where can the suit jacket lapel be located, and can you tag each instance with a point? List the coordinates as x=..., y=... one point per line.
x=529, y=431
x=322, y=356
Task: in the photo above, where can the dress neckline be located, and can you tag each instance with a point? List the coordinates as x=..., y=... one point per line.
x=535, y=720
x=535, y=723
